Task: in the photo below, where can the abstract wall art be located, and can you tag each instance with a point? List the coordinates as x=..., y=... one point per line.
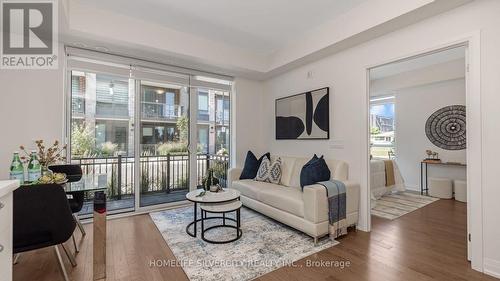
x=304, y=116
x=445, y=128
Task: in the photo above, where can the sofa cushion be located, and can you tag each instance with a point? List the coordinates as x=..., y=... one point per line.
x=314, y=171
x=287, y=164
x=288, y=199
x=269, y=172
x=250, y=188
x=252, y=165
x=297, y=167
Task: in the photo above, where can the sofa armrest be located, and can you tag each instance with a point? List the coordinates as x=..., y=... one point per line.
x=353, y=194
x=232, y=175
x=316, y=203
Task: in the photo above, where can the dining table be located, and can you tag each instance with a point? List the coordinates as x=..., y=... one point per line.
x=96, y=184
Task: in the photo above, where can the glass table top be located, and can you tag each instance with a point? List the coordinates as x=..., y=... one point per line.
x=91, y=182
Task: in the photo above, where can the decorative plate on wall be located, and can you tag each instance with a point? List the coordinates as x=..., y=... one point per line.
x=445, y=128
x=303, y=116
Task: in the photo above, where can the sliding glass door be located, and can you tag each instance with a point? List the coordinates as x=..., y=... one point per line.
x=134, y=124
x=101, y=133
x=164, y=139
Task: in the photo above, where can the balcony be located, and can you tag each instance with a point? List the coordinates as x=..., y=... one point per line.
x=222, y=117
x=161, y=111
x=162, y=178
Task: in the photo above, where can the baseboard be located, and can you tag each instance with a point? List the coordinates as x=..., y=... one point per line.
x=491, y=267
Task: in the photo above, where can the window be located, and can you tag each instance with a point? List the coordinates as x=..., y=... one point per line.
x=203, y=113
x=111, y=96
x=222, y=139
x=222, y=108
x=119, y=104
x=203, y=138
x=100, y=134
x=78, y=93
x=382, y=127
x=160, y=101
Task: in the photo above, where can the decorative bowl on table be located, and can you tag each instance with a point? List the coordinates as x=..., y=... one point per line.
x=58, y=178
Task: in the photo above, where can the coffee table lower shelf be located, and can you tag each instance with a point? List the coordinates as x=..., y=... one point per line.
x=221, y=208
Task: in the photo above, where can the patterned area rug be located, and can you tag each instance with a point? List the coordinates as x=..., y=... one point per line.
x=264, y=246
x=392, y=206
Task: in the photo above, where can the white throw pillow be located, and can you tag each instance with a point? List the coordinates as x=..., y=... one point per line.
x=269, y=172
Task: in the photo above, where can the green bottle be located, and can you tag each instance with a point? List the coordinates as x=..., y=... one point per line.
x=34, y=167
x=17, y=168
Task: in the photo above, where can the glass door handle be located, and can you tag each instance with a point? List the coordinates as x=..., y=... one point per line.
x=2, y=205
x=1, y=248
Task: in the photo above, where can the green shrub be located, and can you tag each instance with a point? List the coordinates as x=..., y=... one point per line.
x=171, y=147
x=223, y=151
x=82, y=141
x=108, y=148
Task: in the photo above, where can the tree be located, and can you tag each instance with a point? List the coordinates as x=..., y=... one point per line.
x=183, y=127
x=82, y=140
x=375, y=130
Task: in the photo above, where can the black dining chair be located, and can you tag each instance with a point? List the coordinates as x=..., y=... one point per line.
x=73, y=174
x=42, y=218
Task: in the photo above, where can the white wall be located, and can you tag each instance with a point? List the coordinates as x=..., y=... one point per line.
x=31, y=107
x=246, y=120
x=345, y=74
x=412, y=107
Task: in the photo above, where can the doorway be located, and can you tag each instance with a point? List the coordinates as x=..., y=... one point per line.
x=413, y=135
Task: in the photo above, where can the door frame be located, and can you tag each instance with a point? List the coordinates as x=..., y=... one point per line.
x=474, y=138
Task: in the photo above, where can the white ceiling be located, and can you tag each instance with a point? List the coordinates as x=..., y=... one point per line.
x=417, y=63
x=262, y=26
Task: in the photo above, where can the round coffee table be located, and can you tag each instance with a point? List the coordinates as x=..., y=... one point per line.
x=221, y=208
x=224, y=196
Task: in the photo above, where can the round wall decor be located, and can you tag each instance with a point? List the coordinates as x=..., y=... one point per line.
x=445, y=128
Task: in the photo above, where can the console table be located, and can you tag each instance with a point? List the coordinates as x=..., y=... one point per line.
x=424, y=168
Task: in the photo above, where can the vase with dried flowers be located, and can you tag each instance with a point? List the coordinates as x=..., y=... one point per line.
x=46, y=155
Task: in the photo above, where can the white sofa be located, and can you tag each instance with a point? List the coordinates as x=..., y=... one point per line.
x=305, y=210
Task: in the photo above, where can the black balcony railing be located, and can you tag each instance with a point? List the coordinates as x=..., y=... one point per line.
x=165, y=173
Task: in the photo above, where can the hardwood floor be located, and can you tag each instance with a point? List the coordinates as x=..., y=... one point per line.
x=428, y=244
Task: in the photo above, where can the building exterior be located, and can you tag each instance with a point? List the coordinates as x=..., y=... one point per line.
x=384, y=123
x=104, y=106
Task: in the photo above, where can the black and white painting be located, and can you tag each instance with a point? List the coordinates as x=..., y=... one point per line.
x=303, y=116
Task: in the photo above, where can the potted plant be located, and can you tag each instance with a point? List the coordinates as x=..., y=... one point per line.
x=47, y=156
x=211, y=183
x=219, y=169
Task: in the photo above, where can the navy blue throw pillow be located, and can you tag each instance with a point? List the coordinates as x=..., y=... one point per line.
x=314, y=171
x=252, y=165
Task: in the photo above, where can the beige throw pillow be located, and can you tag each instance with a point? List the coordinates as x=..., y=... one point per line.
x=269, y=172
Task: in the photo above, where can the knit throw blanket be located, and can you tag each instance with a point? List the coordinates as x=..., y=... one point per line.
x=336, y=194
x=389, y=173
